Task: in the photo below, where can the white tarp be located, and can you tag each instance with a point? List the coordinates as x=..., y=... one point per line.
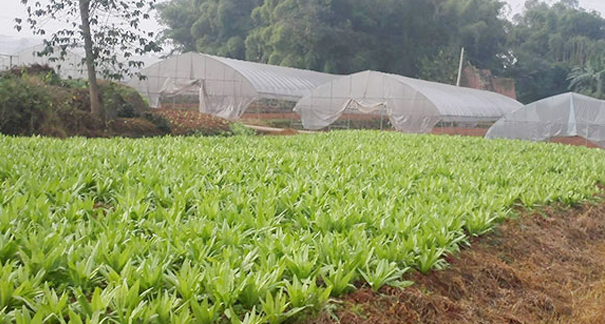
x=70, y=66
x=226, y=86
x=413, y=106
x=564, y=115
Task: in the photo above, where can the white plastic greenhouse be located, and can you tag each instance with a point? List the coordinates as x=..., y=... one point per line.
x=412, y=106
x=224, y=87
x=564, y=115
x=69, y=66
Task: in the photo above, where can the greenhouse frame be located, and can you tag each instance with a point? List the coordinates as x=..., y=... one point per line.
x=68, y=67
x=564, y=115
x=221, y=86
x=411, y=105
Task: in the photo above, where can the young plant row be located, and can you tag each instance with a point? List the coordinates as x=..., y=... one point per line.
x=252, y=230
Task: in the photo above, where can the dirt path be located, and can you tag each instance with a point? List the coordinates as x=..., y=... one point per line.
x=276, y=131
x=547, y=267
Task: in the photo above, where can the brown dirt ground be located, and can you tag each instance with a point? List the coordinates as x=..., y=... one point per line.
x=132, y=128
x=479, y=132
x=262, y=118
x=186, y=122
x=576, y=140
x=545, y=267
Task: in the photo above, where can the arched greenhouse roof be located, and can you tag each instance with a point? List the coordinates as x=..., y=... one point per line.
x=225, y=87
x=70, y=66
x=412, y=105
x=565, y=115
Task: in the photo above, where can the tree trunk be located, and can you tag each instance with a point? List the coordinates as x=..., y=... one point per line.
x=95, y=102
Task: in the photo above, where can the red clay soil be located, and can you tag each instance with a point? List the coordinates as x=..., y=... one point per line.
x=281, y=132
x=265, y=130
x=270, y=116
x=187, y=122
x=576, y=140
x=131, y=128
x=547, y=267
x=479, y=132
x=295, y=116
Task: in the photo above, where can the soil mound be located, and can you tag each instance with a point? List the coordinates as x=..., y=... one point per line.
x=189, y=122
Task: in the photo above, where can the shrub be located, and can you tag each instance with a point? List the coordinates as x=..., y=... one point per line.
x=22, y=106
x=160, y=122
x=115, y=105
x=35, y=101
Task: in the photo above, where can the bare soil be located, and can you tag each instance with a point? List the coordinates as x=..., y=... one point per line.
x=480, y=132
x=544, y=267
x=576, y=140
x=263, y=119
x=131, y=128
x=187, y=122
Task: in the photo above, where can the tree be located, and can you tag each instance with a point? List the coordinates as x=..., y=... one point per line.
x=476, y=25
x=110, y=30
x=340, y=36
x=546, y=42
x=218, y=27
x=589, y=79
x=441, y=67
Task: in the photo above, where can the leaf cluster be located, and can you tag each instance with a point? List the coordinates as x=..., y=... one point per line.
x=252, y=229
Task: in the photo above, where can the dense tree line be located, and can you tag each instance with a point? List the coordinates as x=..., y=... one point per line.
x=419, y=38
x=547, y=43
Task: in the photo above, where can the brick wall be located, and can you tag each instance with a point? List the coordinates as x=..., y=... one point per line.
x=484, y=80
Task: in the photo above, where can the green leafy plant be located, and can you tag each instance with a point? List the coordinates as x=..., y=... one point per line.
x=252, y=229
x=384, y=273
x=239, y=129
x=276, y=308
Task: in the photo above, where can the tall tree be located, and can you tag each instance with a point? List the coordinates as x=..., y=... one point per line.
x=589, y=79
x=476, y=25
x=218, y=27
x=110, y=30
x=340, y=36
x=547, y=42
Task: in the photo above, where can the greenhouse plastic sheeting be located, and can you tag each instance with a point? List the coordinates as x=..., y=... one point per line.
x=413, y=106
x=564, y=115
x=225, y=86
x=70, y=66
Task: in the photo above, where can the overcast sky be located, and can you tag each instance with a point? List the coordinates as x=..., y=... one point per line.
x=11, y=40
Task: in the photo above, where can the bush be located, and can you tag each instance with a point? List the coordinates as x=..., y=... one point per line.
x=160, y=122
x=22, y=106
x=114, y=103
x=35, y=101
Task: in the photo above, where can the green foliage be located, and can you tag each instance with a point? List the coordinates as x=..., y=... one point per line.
x=589, y=79
x=442, y=67
x=114, y=103
x=251, y=229
x=34, y=101
x=115, y=30
x=417, y=38
x=339, y=36
x=239, y=129
x=216, y=27
x=384, y=273
x=547, y=42
x=22, y=106
x=160, y=122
